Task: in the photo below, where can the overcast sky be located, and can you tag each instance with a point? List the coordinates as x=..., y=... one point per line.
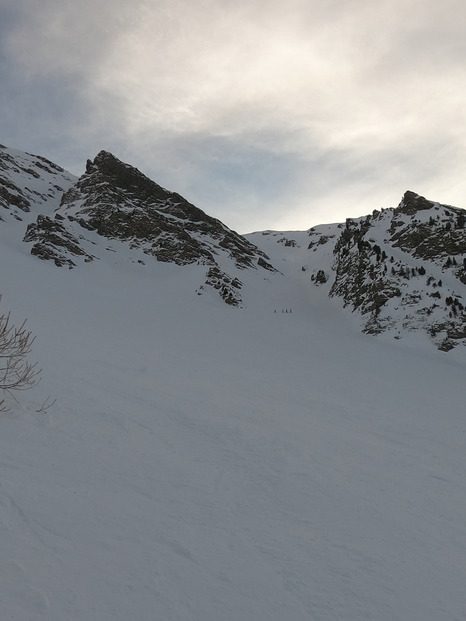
x=275, y=114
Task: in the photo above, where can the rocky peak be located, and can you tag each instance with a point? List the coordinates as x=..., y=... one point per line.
x=118, y=202
x=405, y=269
x=107, y=169
x=412, y=203
x=428, y=229
x=399, y=269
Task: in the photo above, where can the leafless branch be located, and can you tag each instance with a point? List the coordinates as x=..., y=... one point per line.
x=16, y=372
x=48, y=403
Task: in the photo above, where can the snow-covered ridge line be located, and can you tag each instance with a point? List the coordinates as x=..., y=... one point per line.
x=399, y=269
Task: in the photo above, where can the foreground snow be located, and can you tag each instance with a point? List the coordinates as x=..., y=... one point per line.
x=206, y=463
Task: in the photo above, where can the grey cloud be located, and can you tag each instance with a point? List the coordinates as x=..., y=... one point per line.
x=261, y=111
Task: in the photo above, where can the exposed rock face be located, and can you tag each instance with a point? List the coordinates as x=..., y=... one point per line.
x=412, y=203
x=227, y=287
x=54, y=242
x=400, y=270
x=440, y=235
x=405, y=268
x=29, y=183
x=117, y=202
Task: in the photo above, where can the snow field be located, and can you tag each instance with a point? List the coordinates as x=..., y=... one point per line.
x=204, y=462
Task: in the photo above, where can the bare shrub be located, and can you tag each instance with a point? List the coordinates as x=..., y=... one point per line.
x=16, y=372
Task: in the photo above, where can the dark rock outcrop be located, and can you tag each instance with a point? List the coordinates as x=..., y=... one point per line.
x=29, y=183
x=118, y=202
x=398, y=280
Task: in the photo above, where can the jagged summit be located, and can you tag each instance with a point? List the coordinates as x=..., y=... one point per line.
x=116, y=185
x=412, y=203
x=108, y=168
x=118, y=202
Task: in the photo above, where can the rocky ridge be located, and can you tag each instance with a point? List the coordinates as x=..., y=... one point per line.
x=117, y=202
x=406, y=268
x=399, y=270
x=29, y=184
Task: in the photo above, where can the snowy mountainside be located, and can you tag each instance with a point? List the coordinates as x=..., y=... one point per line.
x=30, y=184
x=400, y=270
x=203, y=462
x=118, y=202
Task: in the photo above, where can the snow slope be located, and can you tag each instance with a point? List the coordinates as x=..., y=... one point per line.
x=204, y=462
x=30, y=184
x=395, y=280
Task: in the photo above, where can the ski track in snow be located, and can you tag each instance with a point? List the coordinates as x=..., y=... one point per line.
x=206, y=463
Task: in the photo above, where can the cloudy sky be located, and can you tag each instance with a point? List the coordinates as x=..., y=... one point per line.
x=275, y=114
